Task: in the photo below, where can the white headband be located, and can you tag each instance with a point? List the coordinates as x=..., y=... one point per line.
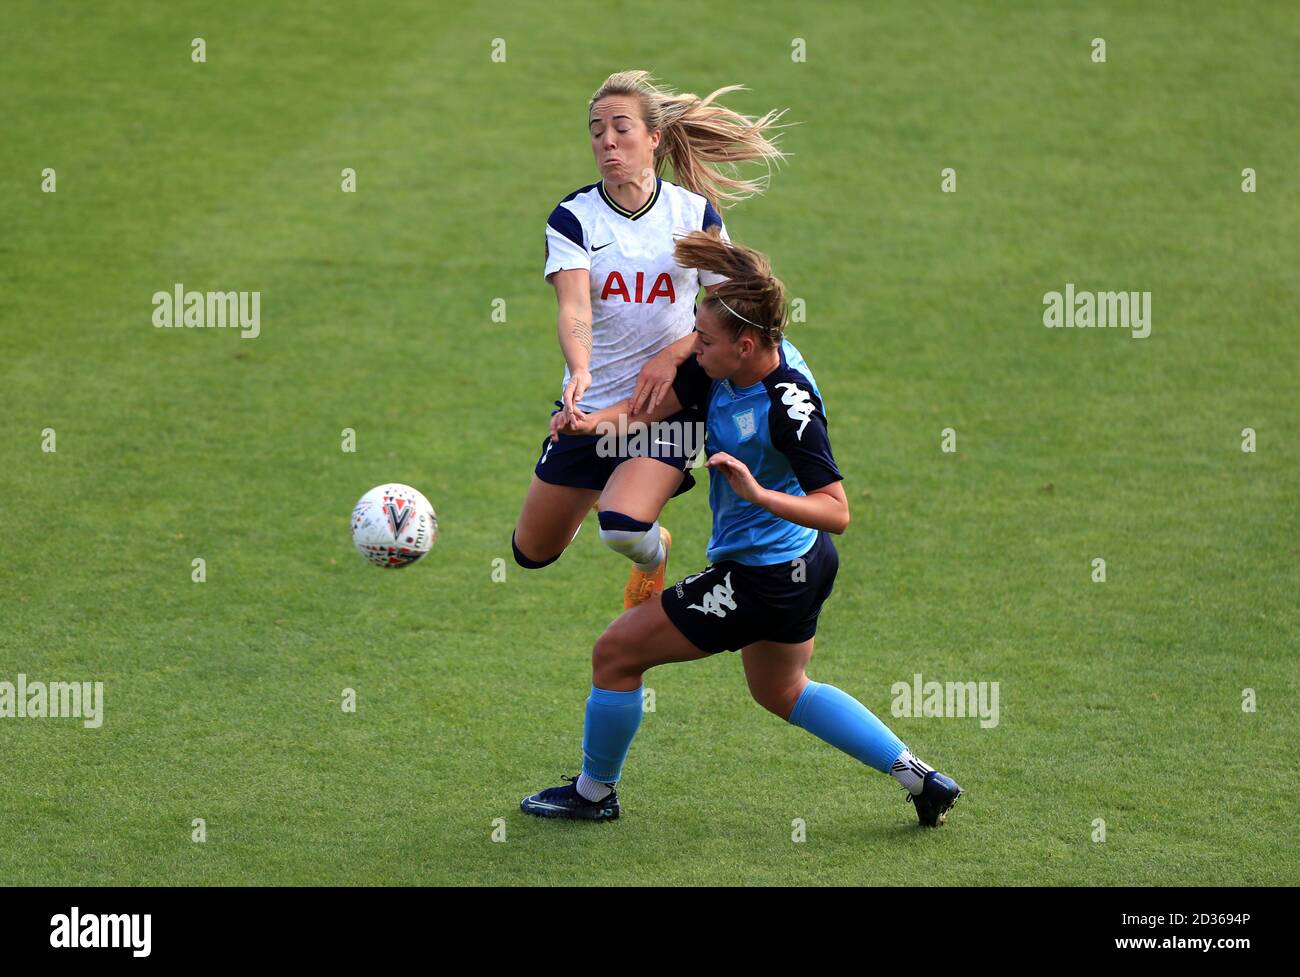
x=738, y=315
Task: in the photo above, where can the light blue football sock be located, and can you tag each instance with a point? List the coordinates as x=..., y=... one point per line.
x=612, y=720
x=846, y=724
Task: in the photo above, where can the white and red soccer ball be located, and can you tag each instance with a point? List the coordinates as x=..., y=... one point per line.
x=393, y=525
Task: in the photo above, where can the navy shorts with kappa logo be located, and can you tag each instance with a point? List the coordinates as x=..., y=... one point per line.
x=575, y=461
x=730, y=605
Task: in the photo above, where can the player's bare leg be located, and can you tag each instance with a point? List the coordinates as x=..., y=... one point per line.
x=639, y=639
x=630, y=505
x=551, y=517
x=777, y=673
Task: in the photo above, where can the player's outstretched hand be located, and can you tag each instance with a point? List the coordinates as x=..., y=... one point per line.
x=741, y=478
x=655, y=381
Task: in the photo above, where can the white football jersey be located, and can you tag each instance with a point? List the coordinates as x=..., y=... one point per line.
x=641, y=299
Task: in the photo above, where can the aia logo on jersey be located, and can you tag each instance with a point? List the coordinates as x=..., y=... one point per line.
x=398, y=512
x=662, y=288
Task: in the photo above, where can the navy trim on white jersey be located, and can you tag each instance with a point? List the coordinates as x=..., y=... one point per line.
x=710, y=217
x=630, y=214
x=563, y=220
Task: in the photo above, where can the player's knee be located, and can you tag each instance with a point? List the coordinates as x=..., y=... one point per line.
x=776, y=699
x=526, y=561
x=609, y=658
x=608, y=650
x=767, y=700
x=623, y=534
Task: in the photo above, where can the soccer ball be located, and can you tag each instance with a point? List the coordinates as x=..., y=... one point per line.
x=393, y=525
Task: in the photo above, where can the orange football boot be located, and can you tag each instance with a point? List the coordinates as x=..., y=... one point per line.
x=642, y=586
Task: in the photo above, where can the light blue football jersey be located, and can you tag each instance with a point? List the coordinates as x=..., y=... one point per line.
x=777, y=427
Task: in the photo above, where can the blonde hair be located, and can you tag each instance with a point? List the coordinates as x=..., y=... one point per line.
x=750, y=298
x=697, y=132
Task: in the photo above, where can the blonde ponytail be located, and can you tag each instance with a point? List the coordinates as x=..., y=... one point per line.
x=697, y=133
x=751, y=297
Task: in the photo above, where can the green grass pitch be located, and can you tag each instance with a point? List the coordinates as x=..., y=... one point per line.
x=1120, y=701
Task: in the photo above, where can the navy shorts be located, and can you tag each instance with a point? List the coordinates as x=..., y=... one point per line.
x=575, y=460
x=731, y=605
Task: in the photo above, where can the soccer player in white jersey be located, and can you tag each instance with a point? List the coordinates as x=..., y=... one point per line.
x=776, y=495
x=626, y=310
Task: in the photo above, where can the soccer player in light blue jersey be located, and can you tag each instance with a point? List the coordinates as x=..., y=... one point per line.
x=776, y=496
x=626, y=310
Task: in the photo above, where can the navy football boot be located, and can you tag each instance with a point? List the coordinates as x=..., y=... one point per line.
x=566, y=802
x=938, y=795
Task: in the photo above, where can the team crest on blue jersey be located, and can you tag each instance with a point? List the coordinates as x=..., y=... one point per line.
x=745, y=424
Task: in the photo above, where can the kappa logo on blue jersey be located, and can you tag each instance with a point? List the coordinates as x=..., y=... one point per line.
x=745, y=424
x=800, y=403
x=721, y=600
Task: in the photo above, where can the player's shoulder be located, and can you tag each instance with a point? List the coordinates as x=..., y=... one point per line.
x=794, y=369
x=575, y=203
x=567, y=216
x=580, y=192
x=794, y=394
x=699, y=210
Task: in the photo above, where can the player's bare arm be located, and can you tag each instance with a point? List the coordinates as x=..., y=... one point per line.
x=590, y=423
x=826, y=508
x=573, y=328
x=657, y=375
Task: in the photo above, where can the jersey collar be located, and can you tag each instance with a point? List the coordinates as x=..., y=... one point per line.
x=737, y=392
x=623, y=211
